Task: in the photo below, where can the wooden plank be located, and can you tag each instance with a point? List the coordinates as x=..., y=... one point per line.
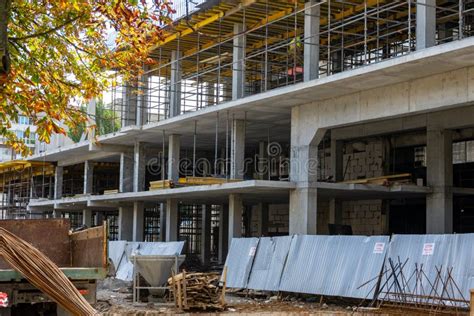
x=111, y=191
x=204, y=180
x=224, y=285
x=50, y=236
x=379, y=180
x=161, y=184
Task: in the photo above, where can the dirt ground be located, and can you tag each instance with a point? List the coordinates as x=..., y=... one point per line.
x=118, y=301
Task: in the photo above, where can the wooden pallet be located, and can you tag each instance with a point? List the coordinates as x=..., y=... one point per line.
x=198, y=291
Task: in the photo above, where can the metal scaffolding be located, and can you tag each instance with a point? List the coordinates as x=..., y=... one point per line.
x=196, y=60
x=19, y=182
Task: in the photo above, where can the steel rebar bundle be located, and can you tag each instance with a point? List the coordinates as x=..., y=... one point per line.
x=41, y=272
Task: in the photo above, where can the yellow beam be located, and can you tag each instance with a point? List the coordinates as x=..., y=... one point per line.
x=324, y=21
x=203, y=23
x=273, y=17
x=262, y=22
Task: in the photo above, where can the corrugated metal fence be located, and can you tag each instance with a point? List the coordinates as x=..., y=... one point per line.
x=435, y=254
x=340, y=265
x=333, y=265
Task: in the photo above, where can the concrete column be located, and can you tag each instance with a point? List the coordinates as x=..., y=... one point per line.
x=303, y=211
x=238, y=62
x=262, y=229
x=139, y=167
x=223, y=233
x=237, y=150
x=126, y=173
x=439, y=174
x=174, y=145
x=305, y=139
x=125, y=223
x=91, y=114
x=142, y=102
x=138, y=221
x=172, y=209
x=262, y=170
x=303, y=171
x=87, y=218
x=206, y=235
x=425, y=23
x=236, y=209
x=88, y=176
x=311, y=40
x=175, y=84
x=162, y=222
x=58, y=182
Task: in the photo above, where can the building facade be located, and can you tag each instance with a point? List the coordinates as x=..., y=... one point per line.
x=276, y=117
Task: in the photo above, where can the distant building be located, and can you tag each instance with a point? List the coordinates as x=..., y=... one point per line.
x=6, y=153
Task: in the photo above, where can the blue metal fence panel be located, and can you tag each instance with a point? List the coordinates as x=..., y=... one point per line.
x=269, y=263
x=334, y=265
x=239, y=261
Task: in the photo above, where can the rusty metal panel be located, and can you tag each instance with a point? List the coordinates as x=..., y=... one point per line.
x=50, y=236
x=89, y=248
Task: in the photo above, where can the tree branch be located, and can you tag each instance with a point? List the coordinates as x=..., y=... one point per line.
x=54, y=29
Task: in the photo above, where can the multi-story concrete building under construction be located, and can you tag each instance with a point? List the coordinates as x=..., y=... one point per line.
x=277, y=117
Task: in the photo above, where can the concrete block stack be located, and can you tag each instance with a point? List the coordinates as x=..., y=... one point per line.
x=363, y=160
x=364, y=216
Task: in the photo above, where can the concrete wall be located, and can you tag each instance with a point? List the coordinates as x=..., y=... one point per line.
x=414, y=96
x=278, y=219
x=364, y=216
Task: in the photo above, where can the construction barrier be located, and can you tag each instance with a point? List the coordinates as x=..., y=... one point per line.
x=422, y=269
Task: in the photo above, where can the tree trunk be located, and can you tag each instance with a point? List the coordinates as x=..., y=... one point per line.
x=4, y=56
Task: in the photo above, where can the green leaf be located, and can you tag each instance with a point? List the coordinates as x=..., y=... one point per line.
x=35, y=78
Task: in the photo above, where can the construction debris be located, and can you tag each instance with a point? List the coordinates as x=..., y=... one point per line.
x=198, y=291
x=40, y=271
x=395, y=288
